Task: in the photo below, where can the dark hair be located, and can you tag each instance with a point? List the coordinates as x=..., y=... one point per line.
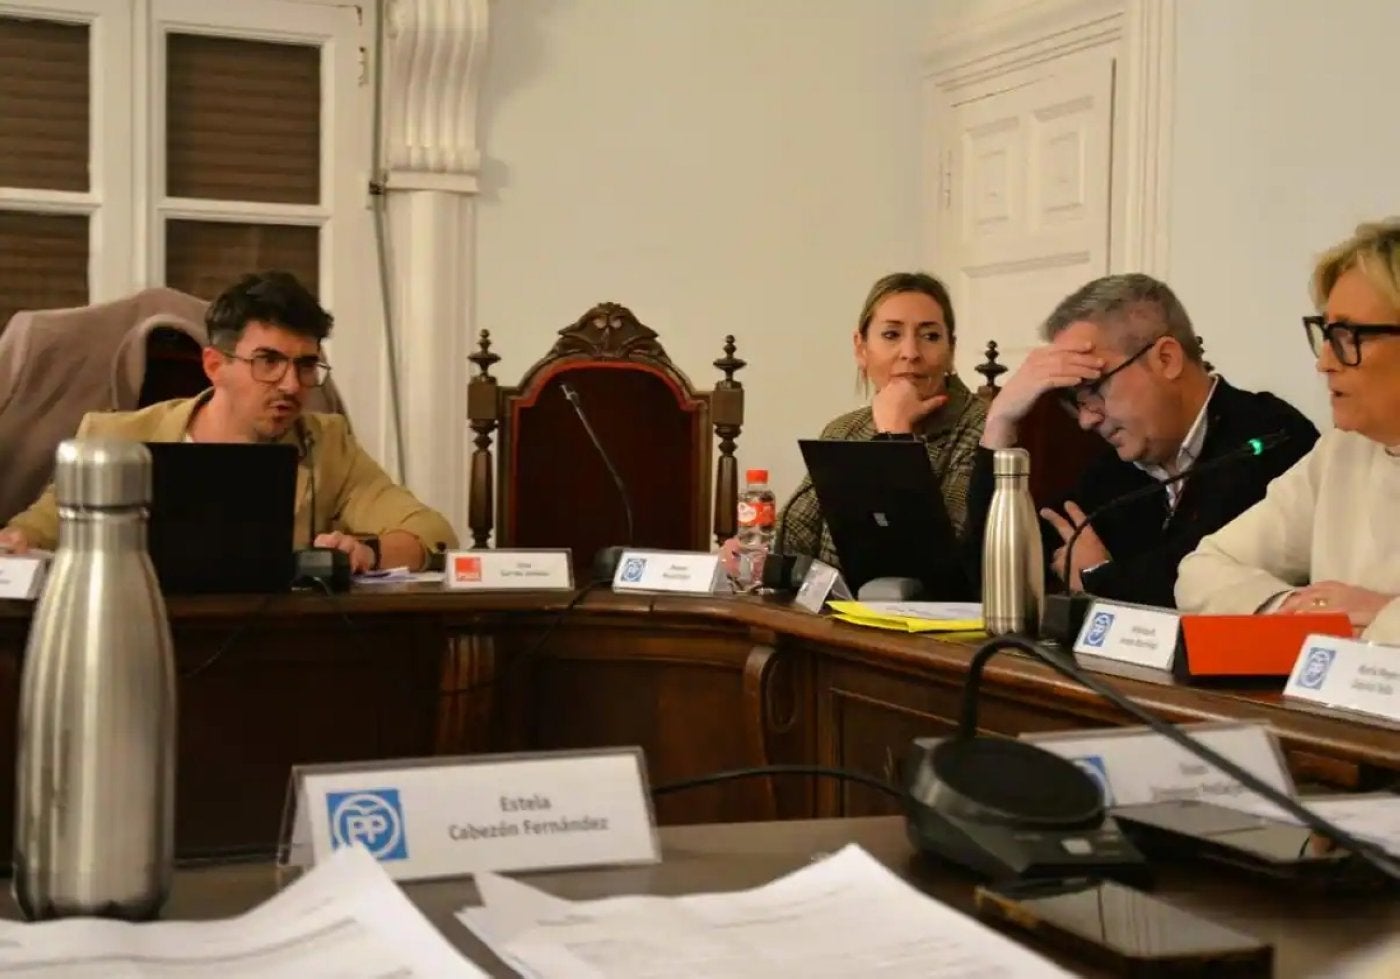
x=1134, y=308
x=900, y=282
x=275, y=298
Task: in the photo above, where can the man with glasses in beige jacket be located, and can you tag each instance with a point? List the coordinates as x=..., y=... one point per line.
x=263, y=359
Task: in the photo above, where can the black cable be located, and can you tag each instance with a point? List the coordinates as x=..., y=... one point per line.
x=251, y=619
x=844, y=774
x=578, y=596
x=967, y=728
x=622, y=493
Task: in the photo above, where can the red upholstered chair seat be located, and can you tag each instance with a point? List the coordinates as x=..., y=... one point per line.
x=554, y=488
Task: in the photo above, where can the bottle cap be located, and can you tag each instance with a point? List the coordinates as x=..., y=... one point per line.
x=1011, y=462
x=756, y=475
x=102, y=472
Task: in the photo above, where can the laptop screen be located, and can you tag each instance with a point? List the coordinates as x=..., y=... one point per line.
x=222, y=516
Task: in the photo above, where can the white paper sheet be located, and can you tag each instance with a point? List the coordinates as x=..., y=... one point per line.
x=346, y=919
x=1374, y=818
x=934, y=611
x=845, y=916
x=398, y=576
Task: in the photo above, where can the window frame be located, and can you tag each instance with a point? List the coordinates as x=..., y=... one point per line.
x=108, y=202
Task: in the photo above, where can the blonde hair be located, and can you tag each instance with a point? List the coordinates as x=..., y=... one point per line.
x=1374, y=249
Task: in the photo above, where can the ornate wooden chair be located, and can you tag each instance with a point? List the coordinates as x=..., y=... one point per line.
x=1060, y=450
x=555, y=490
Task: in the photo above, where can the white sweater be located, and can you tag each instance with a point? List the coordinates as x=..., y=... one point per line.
x=1335, y=516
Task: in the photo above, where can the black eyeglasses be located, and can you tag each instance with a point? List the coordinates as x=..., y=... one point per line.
x=1344, y=338
x=1090, y=394
x=269, y=367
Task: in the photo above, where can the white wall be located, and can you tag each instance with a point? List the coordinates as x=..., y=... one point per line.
x=719, y=166
x=1284, y=139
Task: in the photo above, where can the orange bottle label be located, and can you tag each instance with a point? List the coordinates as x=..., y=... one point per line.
x=759, y=513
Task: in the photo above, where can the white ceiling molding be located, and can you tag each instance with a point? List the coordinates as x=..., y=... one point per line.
x=1020, y=38
x=435, y=53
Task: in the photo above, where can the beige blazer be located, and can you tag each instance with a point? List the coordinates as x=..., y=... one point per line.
x=353, y=494
x=56, y=365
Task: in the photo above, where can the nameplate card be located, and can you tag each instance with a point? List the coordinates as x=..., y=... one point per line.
x=21, y=576
x=821, y=582
x=518, y=570
x=446, y=817
x=1137, y=765
x=1349, y=675
x=1135, y=634
x=688, y=572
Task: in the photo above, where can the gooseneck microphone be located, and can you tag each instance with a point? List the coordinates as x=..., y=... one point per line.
x=606, y=559
x=1064, y=613
x=1062, y=664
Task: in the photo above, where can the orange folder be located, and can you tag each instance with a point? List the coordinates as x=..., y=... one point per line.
x=1249, y=645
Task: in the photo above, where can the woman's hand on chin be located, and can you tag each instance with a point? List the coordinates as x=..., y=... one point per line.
x=898, y=406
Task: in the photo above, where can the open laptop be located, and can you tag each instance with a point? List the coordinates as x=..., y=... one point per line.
x=886, y=514
x=221, y=516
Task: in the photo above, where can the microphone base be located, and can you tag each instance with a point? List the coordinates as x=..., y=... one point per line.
x=605, y=562
x=785, y=572
x=327, y=565
x=1063, y=617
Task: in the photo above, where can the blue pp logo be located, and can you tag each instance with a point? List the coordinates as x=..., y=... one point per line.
x=372, y=818
x=1315, y=668
x=1093, y=766
x=633, y=568
x=1098, y=629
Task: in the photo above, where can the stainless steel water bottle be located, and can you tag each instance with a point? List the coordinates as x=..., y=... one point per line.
x=95, y=781
x=1013, y=558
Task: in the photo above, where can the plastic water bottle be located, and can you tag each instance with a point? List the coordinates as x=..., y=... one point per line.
x=757, y=514
x=95, y=785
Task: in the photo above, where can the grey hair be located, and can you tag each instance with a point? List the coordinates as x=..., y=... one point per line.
x=1134, y=308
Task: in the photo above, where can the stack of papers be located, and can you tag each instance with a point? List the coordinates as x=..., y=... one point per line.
x=962, y=619
x=845, y=916
x=1371, y=818
x=346, y=918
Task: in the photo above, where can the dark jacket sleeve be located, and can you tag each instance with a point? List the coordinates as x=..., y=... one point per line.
x=1149, y=577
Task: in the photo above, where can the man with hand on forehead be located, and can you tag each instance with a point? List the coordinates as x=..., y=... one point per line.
x=263, y=361
x=1123, y=358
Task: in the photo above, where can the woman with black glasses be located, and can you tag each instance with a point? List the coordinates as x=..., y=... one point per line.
x=1326, y=535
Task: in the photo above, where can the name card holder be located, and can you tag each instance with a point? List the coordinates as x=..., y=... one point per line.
x=22, y=576
x=821, y=582
x=1347, y=674
x=1136, y=765
x=525, y=569
x=1201, y=648
x=1138, y=635
x=683, y=572
x=424, y=818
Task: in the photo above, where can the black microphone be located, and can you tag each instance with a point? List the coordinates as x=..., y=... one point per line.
x=1065, y=613
x=781, y=571
x=605, y=561
x=1062, y=664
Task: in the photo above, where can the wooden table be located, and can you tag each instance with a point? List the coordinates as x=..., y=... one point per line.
x=1307, y=932
x=702, y=684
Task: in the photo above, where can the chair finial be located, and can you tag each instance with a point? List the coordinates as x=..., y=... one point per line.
x=484, y=358
x=729, y=364
x=990, y=370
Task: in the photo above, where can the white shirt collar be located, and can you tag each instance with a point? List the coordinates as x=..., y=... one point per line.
x=1188, y=453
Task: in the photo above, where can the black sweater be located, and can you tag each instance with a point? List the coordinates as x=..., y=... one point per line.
x=1145, y=542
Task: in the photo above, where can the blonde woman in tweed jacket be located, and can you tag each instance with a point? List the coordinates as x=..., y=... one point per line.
x=904, y=344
